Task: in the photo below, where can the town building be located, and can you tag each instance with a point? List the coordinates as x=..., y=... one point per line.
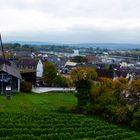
x=9, y=76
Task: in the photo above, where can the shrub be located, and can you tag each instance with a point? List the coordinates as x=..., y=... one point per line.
x=120, y=113
x=26, y=86
x=83, y=88
x=60, y=81
x=136, y=120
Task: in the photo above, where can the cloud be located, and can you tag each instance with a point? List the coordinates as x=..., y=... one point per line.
x=76, y=8
x=75, y=16
x=78, y=36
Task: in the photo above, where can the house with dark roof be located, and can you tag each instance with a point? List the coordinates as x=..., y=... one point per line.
x=30, y=69
x=26, y=63
x=24, y=54
x=58, y=61
x=9, y=76
x=27, y=68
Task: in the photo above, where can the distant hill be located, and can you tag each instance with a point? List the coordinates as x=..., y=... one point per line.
x=108, y=45
x=85, y=45
x=30, y=42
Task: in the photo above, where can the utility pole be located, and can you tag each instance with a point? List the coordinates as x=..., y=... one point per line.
x=5, y=76
x=3, y=54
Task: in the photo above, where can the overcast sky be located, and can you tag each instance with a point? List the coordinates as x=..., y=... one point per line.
x=71, y=21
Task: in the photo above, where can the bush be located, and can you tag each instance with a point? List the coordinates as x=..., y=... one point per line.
x=121, y=114
x=136, y=120
x=61, y=81
x=83, y=88
x=25, y=86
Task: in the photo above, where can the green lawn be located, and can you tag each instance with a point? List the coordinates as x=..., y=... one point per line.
x=37, y=102
x=36, y=117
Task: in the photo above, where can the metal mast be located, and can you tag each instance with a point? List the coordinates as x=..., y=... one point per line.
x=6, y=78
x=3, y=54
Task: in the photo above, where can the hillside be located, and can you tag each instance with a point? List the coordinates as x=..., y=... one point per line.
x=38, y=117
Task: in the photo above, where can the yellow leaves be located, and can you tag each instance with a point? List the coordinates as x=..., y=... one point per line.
x=121, y=112
x=120, y=84
x=95, y=91
x=83, y=74
x=107, y=82
x=130, y=108
x=135, y=86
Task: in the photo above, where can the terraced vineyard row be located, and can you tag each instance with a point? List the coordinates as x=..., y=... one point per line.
x=57, y=126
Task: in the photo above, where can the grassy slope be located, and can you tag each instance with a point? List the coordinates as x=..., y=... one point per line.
x=36, y=102
x=40, y=103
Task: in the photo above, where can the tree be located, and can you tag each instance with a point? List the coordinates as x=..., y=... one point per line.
x=120, y=87
x=79, y=59
x=135, y=90
x=82, y=78
x=16, y=45
x=135, y=86
x=120, y=84
x=102, y=99
x=61, y=81
x=80, y=73
x=49, y=73
x=106, y=84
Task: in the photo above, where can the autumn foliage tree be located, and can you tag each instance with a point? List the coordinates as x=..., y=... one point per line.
x=106, y=84
x=83, y=78
x=107, y=97
x=135, y=96
x=120, y=84
x=135, y=90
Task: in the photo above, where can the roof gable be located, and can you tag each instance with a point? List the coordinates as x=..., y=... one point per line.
x=27, y=62
x=10, y=70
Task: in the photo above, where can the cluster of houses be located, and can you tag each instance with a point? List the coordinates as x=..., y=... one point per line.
x=28, y=66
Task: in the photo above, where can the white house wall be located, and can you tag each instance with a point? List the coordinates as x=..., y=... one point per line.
x=39, y=69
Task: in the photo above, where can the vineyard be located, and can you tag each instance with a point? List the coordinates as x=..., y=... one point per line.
x=59, y=126
x=38, y=117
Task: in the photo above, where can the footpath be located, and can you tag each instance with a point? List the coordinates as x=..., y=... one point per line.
x=48, y=89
